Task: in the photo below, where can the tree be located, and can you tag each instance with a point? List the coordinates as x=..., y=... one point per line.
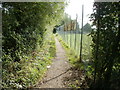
x=106, y=43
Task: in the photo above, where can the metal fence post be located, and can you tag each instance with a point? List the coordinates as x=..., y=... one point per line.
x=81, y=34
x=75, y=33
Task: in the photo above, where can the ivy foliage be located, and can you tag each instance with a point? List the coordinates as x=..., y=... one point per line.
x=106, y=44
x=25, y=25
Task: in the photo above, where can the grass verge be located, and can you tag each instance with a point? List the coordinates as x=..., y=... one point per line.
x=79, y=75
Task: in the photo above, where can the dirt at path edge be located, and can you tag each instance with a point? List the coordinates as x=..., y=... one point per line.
x=58, y=70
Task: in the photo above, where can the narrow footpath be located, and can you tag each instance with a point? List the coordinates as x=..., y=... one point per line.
x=59, y=69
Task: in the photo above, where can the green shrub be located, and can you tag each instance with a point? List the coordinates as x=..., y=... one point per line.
x=26, y=51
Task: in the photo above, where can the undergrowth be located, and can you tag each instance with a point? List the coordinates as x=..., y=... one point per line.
x=72, y=57
x=81, y=76
x=31, y=68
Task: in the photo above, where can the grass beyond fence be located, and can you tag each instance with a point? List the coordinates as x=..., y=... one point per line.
x=73, y=41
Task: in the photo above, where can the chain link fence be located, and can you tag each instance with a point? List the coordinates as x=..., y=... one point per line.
x=73, y=39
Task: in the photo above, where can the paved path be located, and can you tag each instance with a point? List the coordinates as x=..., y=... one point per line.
x=58, y=70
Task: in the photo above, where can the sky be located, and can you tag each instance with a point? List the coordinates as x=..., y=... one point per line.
x=75, y=7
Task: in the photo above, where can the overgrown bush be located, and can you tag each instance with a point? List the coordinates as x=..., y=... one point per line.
x=106, y=44
x=25, y=52
x=29, y=70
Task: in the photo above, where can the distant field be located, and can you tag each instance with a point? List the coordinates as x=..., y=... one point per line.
x=70, y=40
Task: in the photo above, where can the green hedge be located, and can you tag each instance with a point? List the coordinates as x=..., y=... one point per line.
x=25, y=52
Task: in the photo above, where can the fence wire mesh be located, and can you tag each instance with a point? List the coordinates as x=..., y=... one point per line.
x=73, y=38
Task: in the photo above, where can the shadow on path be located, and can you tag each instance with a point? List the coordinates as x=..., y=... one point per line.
x=59, y=69
x=56, y=76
